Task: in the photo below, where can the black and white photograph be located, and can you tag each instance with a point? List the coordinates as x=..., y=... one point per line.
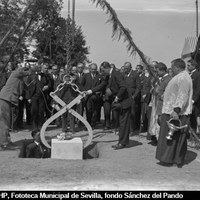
x=99, y=97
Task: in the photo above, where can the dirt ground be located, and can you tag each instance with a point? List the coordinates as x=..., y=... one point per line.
x=133, y=168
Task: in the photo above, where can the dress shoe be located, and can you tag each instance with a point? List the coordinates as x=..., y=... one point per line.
x=119, y=146
x=9, y=146
x=154, y=141
x=179, y=165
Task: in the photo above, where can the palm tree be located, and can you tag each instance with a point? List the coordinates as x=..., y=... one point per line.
x=119, y=30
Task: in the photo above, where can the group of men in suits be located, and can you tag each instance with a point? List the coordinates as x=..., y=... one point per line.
x=35, y=97
x=117, y=92
x=125, y=95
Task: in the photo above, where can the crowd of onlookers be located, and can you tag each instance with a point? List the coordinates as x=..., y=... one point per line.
x=144, y=84
x=137, y=99
x=36, y=104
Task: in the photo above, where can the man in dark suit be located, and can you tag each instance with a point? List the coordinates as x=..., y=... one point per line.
x=107, y=105
x=36, y=96
x=57, y=77
x=160, y=89
x=80, y=107
x=195, y=75
x=116, y=88
x=133, y=85
x=138, y=107
x=89, y=81
x=67, y=94
x=80, y=68
x=146, y=90
x=48, y=98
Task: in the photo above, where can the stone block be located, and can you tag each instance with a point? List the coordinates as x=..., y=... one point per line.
x=67, y=149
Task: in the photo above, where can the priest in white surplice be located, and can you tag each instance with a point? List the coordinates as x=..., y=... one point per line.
x=177, y=104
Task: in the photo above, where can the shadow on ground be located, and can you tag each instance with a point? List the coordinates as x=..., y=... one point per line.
x=190, y=156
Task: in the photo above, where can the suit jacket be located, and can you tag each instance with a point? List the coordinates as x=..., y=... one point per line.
x=35, y=86
x=146, y=88
x=133, y=84
x=196, y=90
x=79, y=81
x=50, y=83
x=117, y=85
x=159, y=91
x=88, y=82
x=13, y=88
x=56, y=79
x=3, y=79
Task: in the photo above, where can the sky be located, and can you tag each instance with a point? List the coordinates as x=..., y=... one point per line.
x=158, y=28
x=140, y=5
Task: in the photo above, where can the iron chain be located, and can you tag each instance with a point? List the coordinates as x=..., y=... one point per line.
x=73, y=85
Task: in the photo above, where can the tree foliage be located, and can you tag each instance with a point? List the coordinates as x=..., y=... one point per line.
x=52, y=43
x=45, y=27
x=9, y=12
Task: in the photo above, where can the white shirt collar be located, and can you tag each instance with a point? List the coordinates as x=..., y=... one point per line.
x=129, y=73
x=192, y=71
x=165, y=75
x=111, y=72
